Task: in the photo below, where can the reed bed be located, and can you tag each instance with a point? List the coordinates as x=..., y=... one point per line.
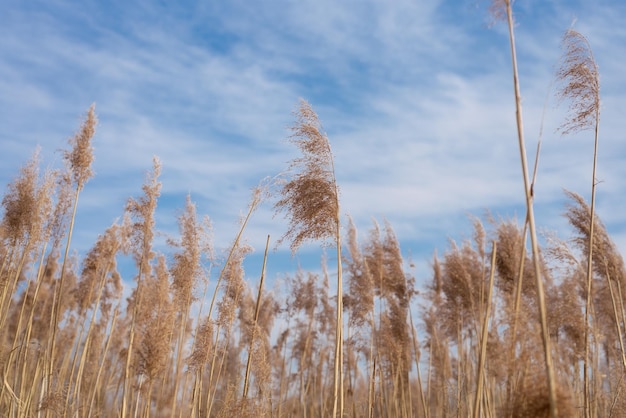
x=501, y=327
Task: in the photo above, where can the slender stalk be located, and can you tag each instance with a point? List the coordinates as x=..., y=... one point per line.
x=590, y=262
x=29, y=327
x=253, y=205
x=531, y=221
x=461, y=361
x=88, y=337
x=79, y=160
x=256, y=318
x=179, y=354
x=101, y=368
x=620, y=298
x=371, y=365
x=339, y=330
x=616, y=317
x=520, y=280
x=580, y=72
x=428, y=382
x=197, y=383
x=56, y=306
x=417, y=366
x=516, y=309
x=17, y=348
x=484, y=337
x=338, y=395
x=9, y=290
x=131, y=340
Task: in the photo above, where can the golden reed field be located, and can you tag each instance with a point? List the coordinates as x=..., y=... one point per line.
x=506, y=326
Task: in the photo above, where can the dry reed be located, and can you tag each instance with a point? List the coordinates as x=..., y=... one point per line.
x=487, y=331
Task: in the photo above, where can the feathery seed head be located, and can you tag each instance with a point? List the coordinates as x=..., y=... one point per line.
x=310, y=196
x=203, y=345
x=497, y=9
x=20, y=201
x=80, y=158
x=580, y=74
x=142, y=211
x=187, y=269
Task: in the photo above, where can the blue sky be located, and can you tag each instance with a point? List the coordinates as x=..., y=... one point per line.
x=416, y=98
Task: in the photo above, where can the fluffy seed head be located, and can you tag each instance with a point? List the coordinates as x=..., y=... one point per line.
x=579, y=73
x=310, y=197
x=80, y=157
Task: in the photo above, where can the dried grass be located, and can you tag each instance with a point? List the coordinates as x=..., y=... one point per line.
x=70, y=346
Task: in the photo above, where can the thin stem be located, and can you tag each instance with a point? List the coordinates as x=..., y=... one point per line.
x=256, y=318
x=56, y=306
x=590, y=263
x=484, y=337
x=531, y=222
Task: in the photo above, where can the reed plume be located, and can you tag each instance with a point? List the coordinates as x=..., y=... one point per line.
x=581, y=85
x=99, y=286
x=187, y=273
x=78, y=161
x=310, y=199
x=252, y=328
x=20, y=206
x=580, y=77
x=27, y=204
x=141, y=212
x=359, y=302
x=80, y=157
x=503, y=9
x=225, y=368
x=156, y=328
x=608, y=265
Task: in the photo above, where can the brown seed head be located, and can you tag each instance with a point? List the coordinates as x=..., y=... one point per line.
x=80, y=158
x=310, y=197
x=20, y=202
x=580, y=74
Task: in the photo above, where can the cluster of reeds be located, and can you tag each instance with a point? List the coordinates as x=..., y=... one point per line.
x=504, y=330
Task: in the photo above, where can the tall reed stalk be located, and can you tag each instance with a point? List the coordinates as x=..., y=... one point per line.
x=255, y=321
x=541, y=303
x=78, y=160
x=142, y=211
x=580, y=75
x=311, y=199
x=484, y=337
